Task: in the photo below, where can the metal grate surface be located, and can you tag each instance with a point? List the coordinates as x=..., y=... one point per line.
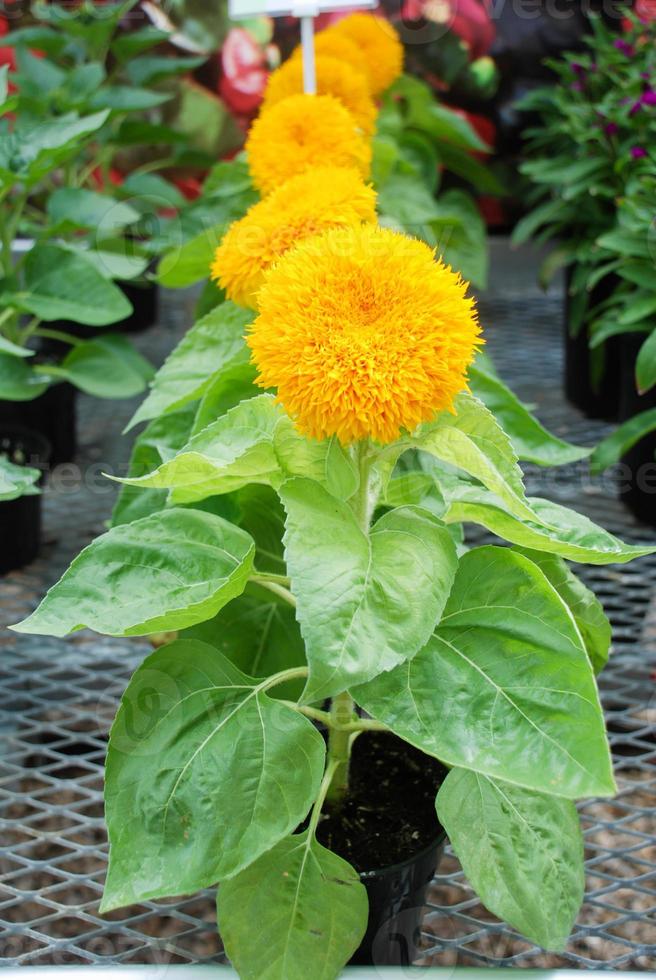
x=57, y=699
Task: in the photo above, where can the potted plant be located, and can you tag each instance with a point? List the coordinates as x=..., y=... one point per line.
x=585, y=145
x=309, y=559
x=76, y=233
x=24, y=457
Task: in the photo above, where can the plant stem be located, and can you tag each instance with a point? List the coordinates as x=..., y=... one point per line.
x=324, y=793
x=342, y=710
x=274, y=587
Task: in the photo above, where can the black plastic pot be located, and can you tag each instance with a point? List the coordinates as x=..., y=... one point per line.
x=397, y=896
x=52, y=415
x=638, y=490
x=144, y=297
x=20, y=519
x=592, y=376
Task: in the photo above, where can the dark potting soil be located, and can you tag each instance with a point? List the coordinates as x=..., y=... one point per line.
x=389, y=813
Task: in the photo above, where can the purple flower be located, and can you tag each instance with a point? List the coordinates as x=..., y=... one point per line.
x=636, y=107
x=638, y=152
x=649, y=97
x=611, y=129
x=624, y=47
x=577, y=86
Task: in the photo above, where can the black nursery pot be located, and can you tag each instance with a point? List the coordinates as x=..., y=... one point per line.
x=638, y=489
x=20, y=519
x=387, y=829
x=397, y=896
x=52, y=415
x=592, y=377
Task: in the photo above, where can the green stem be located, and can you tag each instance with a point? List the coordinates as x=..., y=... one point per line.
x=285, y=675
x=275, y=587
x=66, y=338
x=342, y=711
x=324, y=793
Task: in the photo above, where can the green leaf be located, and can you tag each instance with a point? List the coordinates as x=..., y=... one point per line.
x=522, y=853
x=213, y=344
x=129, y=44
x=7, y=347
x=128, y=98
x=461, y=236
x=583, y=604
x=18, y=382
x=63, y=285
x=646, y=364
x=365, y=602
x=75, y=207
x=190, y=262
x=259, y=634
x=530, y=440
x=150, y=69
x=504, y=686
x=234, y=384
x=552, y=528
x=611, y=449
x=164, y=572
x=463, y=164
x=33, y=148
x=548, y=212
x=442, y=124
x=152, y=189
x=106, y=367
x=310, y=908
x=160, y=440
x=473, y=441
x=204, y=774
x=15, y=480
x=255, y=442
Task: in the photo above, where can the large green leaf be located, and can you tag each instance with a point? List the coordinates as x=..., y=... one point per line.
x=204, y=774
x=522, y=852
x=310, y=908
x=504, y=686
x=164, y=572
x=160, y=440
x=258, y=633
x=255, y=442
x=530, y=440
x=581, y=601
x=15, y=480
x=473, y=441
x=212, y=345
x=63, y=285
x=107, y=367
x=366, y=602
x=75, y=207
x=551, y=527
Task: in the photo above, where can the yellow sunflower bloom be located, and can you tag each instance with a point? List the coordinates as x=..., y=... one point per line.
x=337, y=46
x=363, y=333
x=321, y=198
x=380, y=44
x=336, y=78
x=300, y=132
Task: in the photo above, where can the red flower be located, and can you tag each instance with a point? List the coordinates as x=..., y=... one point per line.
x=244, y=72
x=190, y=187
x=469, y=19
x=7, y=54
